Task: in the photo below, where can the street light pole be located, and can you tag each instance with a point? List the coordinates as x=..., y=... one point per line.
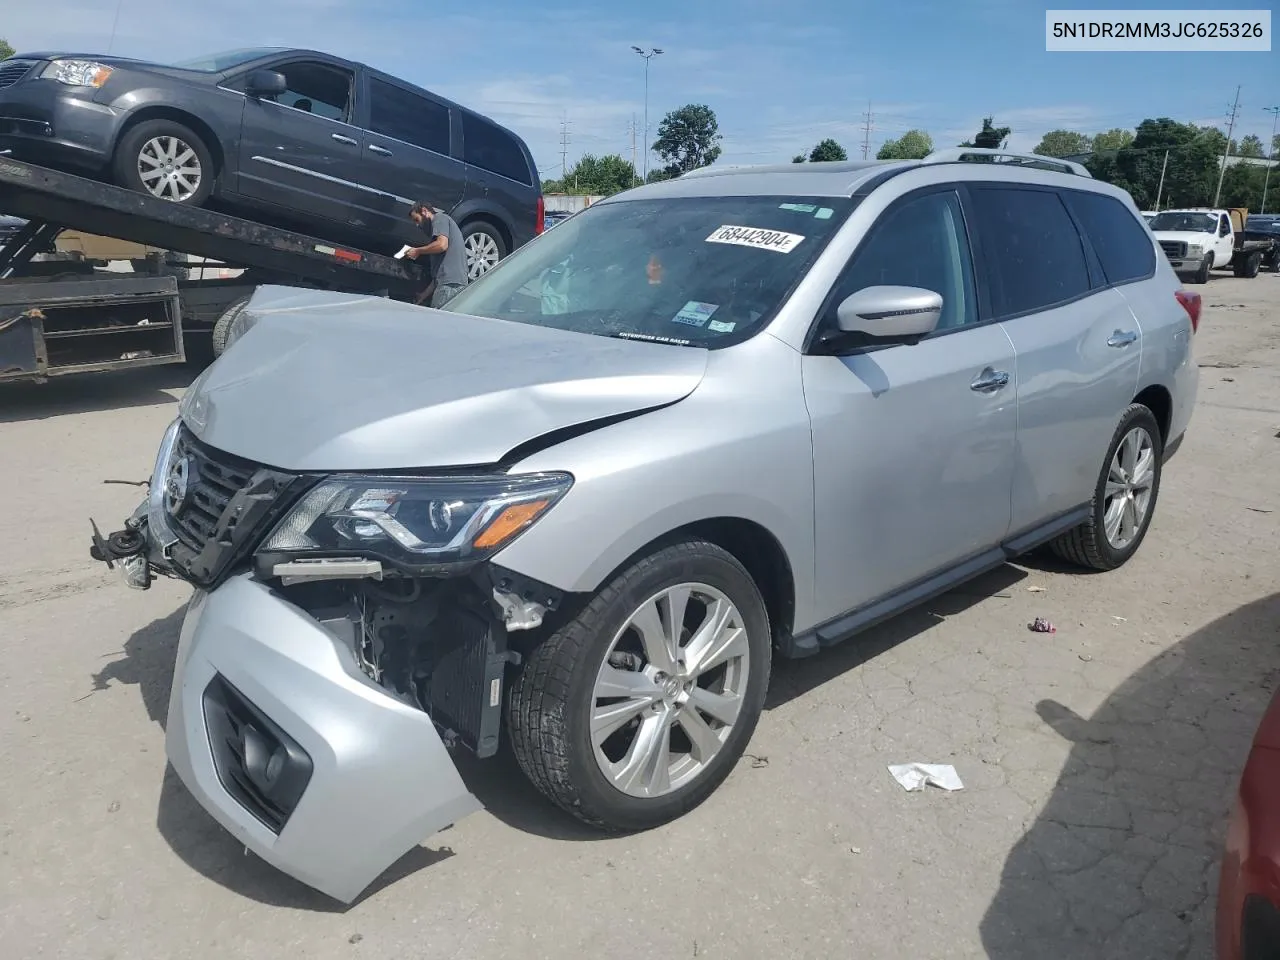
x=1271, y=154
x=653, y=52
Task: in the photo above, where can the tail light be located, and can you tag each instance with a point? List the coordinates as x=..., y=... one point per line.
x=542, y=217
x=1190, y=303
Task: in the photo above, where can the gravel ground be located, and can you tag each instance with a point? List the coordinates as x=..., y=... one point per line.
x=1098, y=761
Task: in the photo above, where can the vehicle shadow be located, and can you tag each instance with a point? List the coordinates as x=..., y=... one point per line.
x=1122, y=860
x=90, y=393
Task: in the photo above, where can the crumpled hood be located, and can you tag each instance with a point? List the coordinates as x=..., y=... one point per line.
x=331, y=382
x=1185, y=236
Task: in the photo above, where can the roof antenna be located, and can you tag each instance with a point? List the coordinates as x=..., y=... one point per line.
x=114, y=24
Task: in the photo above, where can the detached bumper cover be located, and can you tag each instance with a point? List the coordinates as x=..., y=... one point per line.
x=373, y=774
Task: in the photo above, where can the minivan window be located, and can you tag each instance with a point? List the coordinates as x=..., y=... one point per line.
x=921, y=243
x=317, y=88
x=402, y=115
x=1122, y=243
x=700, y=271
x=228, y=60
x=489, y=147
x=1032, y=252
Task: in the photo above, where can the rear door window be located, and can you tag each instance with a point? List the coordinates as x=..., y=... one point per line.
x=1122, y=243
x=489, y=147
x=1033, y=256
x=408, y=117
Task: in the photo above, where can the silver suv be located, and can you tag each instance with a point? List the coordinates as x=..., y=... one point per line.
x=740, y=415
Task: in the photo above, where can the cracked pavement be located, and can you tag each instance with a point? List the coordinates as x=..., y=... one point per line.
x=1098, y=762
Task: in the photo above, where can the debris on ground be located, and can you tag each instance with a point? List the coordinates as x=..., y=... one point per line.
x=113, y=806
x=1036, y=589
x=855, y=849
x=915, y=776
x=757, y=762
x=1041, y=625
x=1086, y=658
x=355, y=938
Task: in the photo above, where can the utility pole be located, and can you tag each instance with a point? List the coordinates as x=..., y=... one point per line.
x=564, y=150
x=634, y=171
x=1231, y=125
x=653, y=52
x=1160, y=189
x=866, y=131
x=1271, y=154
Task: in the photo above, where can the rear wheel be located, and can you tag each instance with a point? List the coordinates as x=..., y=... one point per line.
x=1124, y=498
x=484, y=246
x=1247, y=266
x=633, y=712
x=167, y=160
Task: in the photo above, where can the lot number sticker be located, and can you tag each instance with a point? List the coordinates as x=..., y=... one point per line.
x=760, y=239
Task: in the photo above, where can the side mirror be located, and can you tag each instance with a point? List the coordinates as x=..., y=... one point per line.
x=890, y=313
x=266, y=83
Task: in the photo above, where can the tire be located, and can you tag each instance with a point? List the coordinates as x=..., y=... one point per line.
x=551, y=703
x=223, y=326
x=1247, y=266
x=1089, y=544
x=484, y=246
x=164, y=141
x=1202, y=275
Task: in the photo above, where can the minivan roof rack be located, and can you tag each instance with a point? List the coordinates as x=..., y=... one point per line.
x=969, y=154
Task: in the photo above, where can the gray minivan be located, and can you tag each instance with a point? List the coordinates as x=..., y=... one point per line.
x=302, y=139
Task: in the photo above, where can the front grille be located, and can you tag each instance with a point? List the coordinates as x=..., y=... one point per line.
x=1173, y=249
x=213, y=479
x=11, y=71
x=264, y=769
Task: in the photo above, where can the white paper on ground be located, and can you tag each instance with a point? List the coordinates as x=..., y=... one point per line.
x=914, y=776
x=403, y=250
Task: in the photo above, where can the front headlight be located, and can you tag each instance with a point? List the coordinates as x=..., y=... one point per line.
x=1194, y=250
x=78, y=73
x=418, y=521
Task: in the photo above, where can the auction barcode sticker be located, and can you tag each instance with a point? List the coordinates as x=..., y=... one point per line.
x=757, y=237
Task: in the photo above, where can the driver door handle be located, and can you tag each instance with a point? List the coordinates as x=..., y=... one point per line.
x=989, y=381
x=341, y=139
x=1122, y=338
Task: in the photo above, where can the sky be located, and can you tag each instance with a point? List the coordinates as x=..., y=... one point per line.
x=780, y=74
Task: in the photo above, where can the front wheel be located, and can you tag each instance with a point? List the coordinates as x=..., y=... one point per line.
x=1124, y=498
x=484, y=246
x=633, y=712
x=166, y=160
x=1202, y=275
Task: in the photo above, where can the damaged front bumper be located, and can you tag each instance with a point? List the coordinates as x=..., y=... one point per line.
x=285, y=742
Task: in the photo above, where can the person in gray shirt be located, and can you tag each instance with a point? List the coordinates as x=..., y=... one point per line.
x=448, y=257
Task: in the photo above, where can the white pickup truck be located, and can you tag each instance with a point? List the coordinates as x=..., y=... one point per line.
x=1197, y=240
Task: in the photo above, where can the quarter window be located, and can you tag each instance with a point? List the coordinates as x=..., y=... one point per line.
x=1033, y=254
x=402, y=115
x=317, y=88
x=491, y=148
x=921, y=243
x=1122, y=243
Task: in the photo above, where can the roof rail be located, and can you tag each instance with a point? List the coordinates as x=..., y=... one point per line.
x=970, y=154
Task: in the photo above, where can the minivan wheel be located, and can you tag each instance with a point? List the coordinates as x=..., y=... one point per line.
x=484, y=246
x=1124, y=498
x=166, y=160
x=633, y=712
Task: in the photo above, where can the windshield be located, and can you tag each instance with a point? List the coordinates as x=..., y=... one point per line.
x=701, y=271
x=218, y=62
x=1187, y=222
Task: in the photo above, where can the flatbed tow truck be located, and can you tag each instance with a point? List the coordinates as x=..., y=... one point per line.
x=59, y=323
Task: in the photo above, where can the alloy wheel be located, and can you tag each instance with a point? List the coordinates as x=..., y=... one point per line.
x=482, y=254
x=670, y=690
x=169, y=168
x=1130, y=479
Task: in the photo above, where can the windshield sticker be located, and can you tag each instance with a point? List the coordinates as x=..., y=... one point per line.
x=721, y=326
x=798, y=207
x=756, y=237
x=695, y=314
x=824, y=213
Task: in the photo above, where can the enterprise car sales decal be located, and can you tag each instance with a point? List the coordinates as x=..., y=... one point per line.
x=756, y=237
